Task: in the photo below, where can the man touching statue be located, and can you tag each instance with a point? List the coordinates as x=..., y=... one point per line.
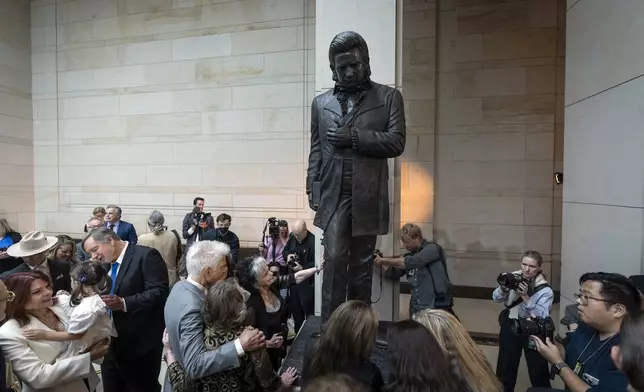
x=355, y=127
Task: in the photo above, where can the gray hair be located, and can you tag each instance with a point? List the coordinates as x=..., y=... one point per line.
x=115, y=207
x=256, y=270
x=205, y=254
x=155, y=222
x=101, y=235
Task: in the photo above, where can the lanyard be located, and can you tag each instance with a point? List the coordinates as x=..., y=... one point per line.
x=596, y=351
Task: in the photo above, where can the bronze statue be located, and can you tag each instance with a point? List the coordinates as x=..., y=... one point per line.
x=355, y=127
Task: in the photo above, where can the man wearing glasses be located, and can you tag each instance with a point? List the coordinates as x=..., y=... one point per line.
x=5, y=296
x=603, y=301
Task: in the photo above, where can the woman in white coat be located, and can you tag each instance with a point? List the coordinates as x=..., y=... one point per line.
x=34, y=362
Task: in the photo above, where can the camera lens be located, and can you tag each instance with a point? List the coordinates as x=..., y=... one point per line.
x=503, y=280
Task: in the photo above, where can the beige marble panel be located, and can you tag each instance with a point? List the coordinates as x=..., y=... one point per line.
x=15, y=127
x=267, y=201
x=75, y=11
x=14, y=57
x=236, y=121
x=268, y=151
x=146, y=103
x=267, y=40
x=284, y=63
x=46, y=200
x=202, y=153
x=540, y=146
x=45, y=130
x=484, y=210
x=491, y=238
x=419, y=23
x=120, y=154
x=146, y=6
x=285, y=119
x=519, y=109
x=43, y=155
x=75, y=32
x=484, y=147
x=176, y=175
x=419, y=55
x=493, y=17
x=45, y=176
x=43, y=16
x=15, y=106
x=93, y=128
x=145, y=52
x=40, y=62
x=98, y=57
x=539, y=211
x=419, y=86
x=542, y=80
x=420, y=113
x=164, y=125
x=16, y=154
x=283, y=9
x=232, y=13
x=229, y=67
x=268, y=96
x=201, y=47
x=538, y=42
x=100, y=175
x=202, y=100
x=101, y=106
x=491, y=82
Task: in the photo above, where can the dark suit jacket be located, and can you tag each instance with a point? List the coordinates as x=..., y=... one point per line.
x=379, y=133
x=142, y=281
x=190, y=238
x=126, y=232
x=59, y=271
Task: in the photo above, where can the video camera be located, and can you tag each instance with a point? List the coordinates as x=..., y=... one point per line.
x=542, y=327
x=199, y=217
x=510, y=280
x=274, y=225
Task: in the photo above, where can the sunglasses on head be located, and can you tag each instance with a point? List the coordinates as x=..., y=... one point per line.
x=9, y=298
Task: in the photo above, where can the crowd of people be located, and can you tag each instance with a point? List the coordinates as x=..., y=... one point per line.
x=126, y=303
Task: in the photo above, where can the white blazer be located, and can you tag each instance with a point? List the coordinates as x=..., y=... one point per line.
x=34, y=362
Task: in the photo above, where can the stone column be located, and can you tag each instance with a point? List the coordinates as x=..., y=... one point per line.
x=603, y=198
x=377, y=22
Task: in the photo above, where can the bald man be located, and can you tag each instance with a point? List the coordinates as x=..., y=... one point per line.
x=301, y=244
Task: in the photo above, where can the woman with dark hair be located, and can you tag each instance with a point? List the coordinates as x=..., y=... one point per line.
x=35, y=362
x=270, y=314
x=418, y=362
x=335, y=383
x=345, y=346
x=8, y=237
x=225, y=316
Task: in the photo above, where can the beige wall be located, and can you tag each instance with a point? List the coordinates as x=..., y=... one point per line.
x=16, y=151
x=498, y=135
x=148, y=104
x=603, y=199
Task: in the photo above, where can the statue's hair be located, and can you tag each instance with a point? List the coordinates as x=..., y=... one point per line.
x=345, y=42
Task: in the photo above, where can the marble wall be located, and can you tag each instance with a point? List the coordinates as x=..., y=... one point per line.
x=149, y=103
x=16, y=151
x=499, y=135
x=603, y=199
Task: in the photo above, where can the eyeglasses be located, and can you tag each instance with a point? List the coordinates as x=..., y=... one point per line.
x=9, y=298
x=583, y=299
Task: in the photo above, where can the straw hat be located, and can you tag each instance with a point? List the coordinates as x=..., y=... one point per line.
x=32, y=243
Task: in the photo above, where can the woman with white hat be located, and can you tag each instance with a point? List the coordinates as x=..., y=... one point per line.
x=32, y=249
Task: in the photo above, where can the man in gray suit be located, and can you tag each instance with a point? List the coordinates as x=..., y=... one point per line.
x=206, y=263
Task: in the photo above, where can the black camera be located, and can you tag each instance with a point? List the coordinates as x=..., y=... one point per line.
x=542, y=327
x=510, y=280
x=293, y=260
x=199, y=217
x=274, y=225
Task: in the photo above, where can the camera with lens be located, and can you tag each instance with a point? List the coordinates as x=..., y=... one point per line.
x=541, y=327
x=510, y=280
x=293, y=261
x=274, y=225
x=200, y=217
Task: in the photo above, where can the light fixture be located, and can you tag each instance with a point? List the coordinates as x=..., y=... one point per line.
x=559, y=178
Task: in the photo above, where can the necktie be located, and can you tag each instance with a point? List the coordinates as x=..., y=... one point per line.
x=113, y=274
x=111, y=226
x=115, y=268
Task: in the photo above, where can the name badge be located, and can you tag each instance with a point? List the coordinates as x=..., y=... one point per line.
x=590, y=380
x=578, y=368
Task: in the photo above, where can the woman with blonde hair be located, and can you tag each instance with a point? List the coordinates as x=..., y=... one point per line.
x=64, y=250
x=455, y=341
x=345, y=346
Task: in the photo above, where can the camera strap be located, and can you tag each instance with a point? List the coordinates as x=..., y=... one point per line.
x=519, y=300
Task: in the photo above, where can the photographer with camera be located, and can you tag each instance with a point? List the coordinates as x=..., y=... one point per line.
x=526, y=295
x=273, y=244
x=603, y=301
x=299, y=254
x=195, y=225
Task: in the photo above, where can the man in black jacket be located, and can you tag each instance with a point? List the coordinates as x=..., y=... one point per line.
x=223, y=234
x=300, y=246
x=355, y=128
x=32, y=249
x=136, y=301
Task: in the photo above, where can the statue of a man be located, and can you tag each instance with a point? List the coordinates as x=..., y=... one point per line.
x=354, y=129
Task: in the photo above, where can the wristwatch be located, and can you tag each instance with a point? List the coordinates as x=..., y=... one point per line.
x=558, y=367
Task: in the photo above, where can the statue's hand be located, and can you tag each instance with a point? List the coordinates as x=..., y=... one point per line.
x=312, y=206
x=340, y=138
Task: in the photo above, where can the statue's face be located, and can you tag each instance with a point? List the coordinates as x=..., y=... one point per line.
x=350, y=68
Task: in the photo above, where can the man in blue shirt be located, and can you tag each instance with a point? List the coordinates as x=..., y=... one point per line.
x=603, y=301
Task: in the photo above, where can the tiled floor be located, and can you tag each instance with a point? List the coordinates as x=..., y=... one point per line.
x=477, y=316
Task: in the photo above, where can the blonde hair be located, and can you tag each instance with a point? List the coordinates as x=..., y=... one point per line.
x=5, y=228
x=456, y=341
x=411, y=231
x=63, y=240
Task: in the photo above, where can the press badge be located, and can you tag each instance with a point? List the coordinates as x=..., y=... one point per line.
x=578, y=368
x=590, y=380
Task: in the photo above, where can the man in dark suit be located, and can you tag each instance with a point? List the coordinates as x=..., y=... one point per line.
x=32, y=249
x=355, y=128
x=194, y=230
x=137, y=298
x=125, y=230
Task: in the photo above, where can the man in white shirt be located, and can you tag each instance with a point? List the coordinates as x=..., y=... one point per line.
x=206, y=263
